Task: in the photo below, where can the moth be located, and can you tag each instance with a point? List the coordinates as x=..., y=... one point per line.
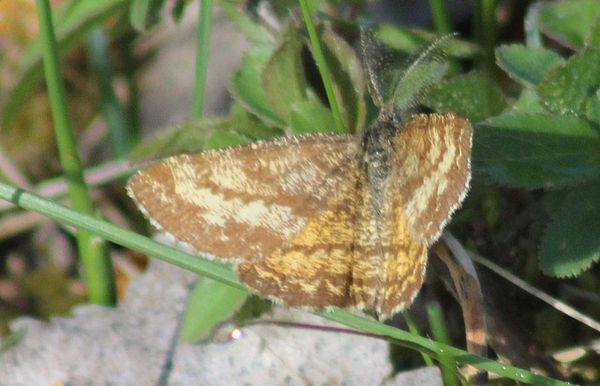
x=322, y=220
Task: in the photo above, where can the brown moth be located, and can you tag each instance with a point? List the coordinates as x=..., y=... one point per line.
x=319, y=221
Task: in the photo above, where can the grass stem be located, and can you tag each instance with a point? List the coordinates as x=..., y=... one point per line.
x=413, y=327
x=438, y=329
x=485, y=26
x=324, y=70
x=202, y=54
x=225, y=275
x=441, y=16
x=119, y=130
x=96, y=263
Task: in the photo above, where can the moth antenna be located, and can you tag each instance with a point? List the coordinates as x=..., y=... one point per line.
x=432, y=53
x=366, y=40
x=397, y=84
x=428, y=52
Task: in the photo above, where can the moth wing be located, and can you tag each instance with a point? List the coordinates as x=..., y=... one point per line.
x=431, y=164
x=242, y=203
x=429, y=180
x=329, y=262
x=404, y=266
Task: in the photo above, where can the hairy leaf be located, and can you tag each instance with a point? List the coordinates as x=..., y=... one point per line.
x=569, y=22
x=527, y=65
x=529, y=102
x=246, y=85
x=311, y=117
x=411, y=40
x=283, y=78
x=193, y=137
x=571, y=244
x=537, y=150
x=471, y=95
x=568, y=87
x=244, y=22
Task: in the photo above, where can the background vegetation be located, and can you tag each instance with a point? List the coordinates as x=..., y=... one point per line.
x=526, y=74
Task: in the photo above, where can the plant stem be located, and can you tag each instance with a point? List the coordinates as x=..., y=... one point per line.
x=118, y=235
x=414, y=329
x=114, y=114
x=96, y=264
x=57, y=188
x=438, y=329
x=322, y=65
x=441, y=16
x=533, y=36
x=202, y=52
x=225, y=275
x=485, y=30
x=132, y=108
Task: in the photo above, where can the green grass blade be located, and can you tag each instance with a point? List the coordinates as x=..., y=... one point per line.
x=225, y=275
x=485, y=27
x=441, y=16
x=438, y=329
x=435, y=349
x=118, y=235
x=202, y=53
x=73, y=26
x=322, y=64
x=96, y=264
x=116, y=119
x=413, y=327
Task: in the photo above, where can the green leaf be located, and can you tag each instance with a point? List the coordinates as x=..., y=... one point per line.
x=283, y=77
x=75, y=22
x=471, y=95
x=529, y=102
x=553, y=199
x=311, y=117
x=537, y=150
x=533, y=35
x=281, y=8
x=593, y=38
x=178, y=10
x=348, y=80
x=247, y=124
x=409, y=40
x=143, y=14
x=568, y=87
x=571, y=244
x=246, y=85
x=569, y=22
x=592, y=110
x=192, y=137
x=527, y=65
x=211, y=302
x=243, y=22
